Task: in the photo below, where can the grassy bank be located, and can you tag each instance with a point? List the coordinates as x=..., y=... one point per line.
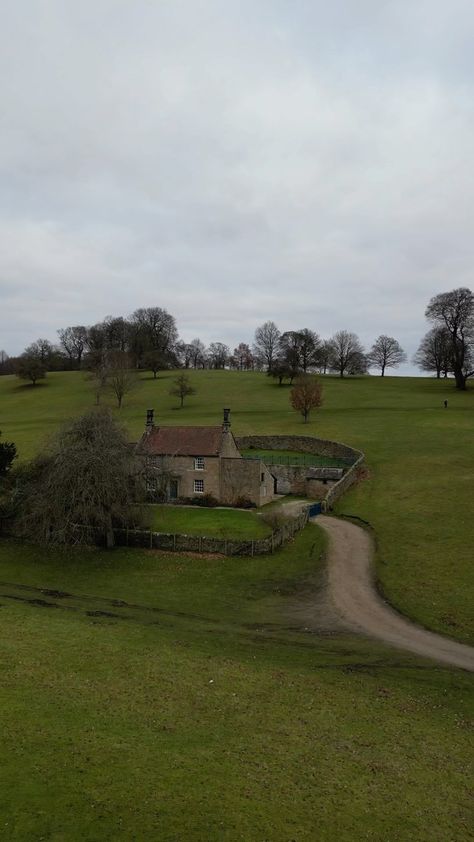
x=158, y=697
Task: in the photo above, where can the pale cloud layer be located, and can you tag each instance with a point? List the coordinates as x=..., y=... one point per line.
x=305, y=162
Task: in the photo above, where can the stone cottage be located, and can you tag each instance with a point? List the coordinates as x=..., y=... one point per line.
x=192, y=461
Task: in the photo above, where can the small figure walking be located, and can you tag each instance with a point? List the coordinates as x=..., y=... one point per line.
x=445, y=404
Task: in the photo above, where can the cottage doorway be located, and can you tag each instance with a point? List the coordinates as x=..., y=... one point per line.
x=173, y=489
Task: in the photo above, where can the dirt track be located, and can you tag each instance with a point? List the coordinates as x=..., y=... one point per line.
x=354, y=599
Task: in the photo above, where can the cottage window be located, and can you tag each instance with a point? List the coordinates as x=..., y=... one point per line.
x=199, y=486
x=199, y=463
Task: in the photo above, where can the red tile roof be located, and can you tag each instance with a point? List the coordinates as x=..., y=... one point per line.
x=182, y=441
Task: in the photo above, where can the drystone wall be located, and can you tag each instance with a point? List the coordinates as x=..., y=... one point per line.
x=317, y=447
x=300, y=444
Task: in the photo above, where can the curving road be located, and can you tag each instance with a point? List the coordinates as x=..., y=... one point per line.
x=355, y=600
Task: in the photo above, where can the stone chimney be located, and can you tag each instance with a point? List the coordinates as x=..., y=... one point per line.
x=226, y=424
x=149, y=420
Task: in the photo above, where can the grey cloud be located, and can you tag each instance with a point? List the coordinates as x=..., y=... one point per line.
x=305, y=162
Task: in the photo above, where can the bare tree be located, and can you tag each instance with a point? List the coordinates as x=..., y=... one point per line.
x=30, y=368
x=122, y=379
x=434, y=352
x=218, y=355
x=182, y=388
x=74, y=341
x=306, y=395
x=42, y=349
x=87, y=476
x=386, y=352
x=242, y=358
x=152, y=329
x=266, y=344
x=324, y=355
x=154, y=361
x=348, y=354
x=455, y=311
x=198, y=353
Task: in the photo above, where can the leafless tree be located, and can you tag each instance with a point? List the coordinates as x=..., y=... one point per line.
x=434, y=352
x=324, y=355
x=86, y=476
x=74, y=341
x=218, y=355
x=386, y=352
x=455, y=311
x=154, y=361
x=30, y=368
x=348, y=354
x=306, y=395
x=242, y=358
x=152, y=329
x=266, y=344
x=121, y=378
x=182, y=388
x=198, y=353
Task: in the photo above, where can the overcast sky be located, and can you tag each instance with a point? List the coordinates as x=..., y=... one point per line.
x=234, y=161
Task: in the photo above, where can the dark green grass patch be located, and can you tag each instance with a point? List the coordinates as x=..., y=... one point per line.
x=292, y=457
x=215, y=522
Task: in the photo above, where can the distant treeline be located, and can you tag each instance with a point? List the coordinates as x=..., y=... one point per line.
x=148, y=339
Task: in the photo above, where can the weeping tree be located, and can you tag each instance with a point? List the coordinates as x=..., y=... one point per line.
x=86, y=482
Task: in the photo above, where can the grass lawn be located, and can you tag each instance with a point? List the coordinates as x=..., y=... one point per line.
x=180, y=698
x=293, y=457
x=218, y=523
x=198, y=711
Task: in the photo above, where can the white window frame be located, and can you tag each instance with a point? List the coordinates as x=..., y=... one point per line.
x=199, y=463
x=199, y=482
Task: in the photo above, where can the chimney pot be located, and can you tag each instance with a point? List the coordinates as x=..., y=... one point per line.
x=149, y=420
x=226, y=424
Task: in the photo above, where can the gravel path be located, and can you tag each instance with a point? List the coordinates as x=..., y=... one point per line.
x=354, y=598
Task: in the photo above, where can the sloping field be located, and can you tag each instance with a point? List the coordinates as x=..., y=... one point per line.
x=153, y=696
x=420, y=456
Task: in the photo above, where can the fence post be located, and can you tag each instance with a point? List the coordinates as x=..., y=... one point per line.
x=151, y=539
x=200, y=544
x=253, y=542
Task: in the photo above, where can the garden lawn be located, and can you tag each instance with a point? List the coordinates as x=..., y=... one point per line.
x=212, y=522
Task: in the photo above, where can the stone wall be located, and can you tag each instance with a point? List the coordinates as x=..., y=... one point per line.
x=315, y=446
x=300, y=444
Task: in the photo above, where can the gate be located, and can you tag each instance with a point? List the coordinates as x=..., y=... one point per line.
x=314, y=509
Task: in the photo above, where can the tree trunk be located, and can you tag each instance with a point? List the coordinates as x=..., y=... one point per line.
x=383, y=370
x=460, y=379
x=182, y=401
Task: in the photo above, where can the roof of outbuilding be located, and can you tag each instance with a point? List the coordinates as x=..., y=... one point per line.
x=182, y=441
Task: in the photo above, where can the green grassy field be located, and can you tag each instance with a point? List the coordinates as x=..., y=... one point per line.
x=293, y=457
x=418, y=496
x=219, y=523
x=179, y=698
